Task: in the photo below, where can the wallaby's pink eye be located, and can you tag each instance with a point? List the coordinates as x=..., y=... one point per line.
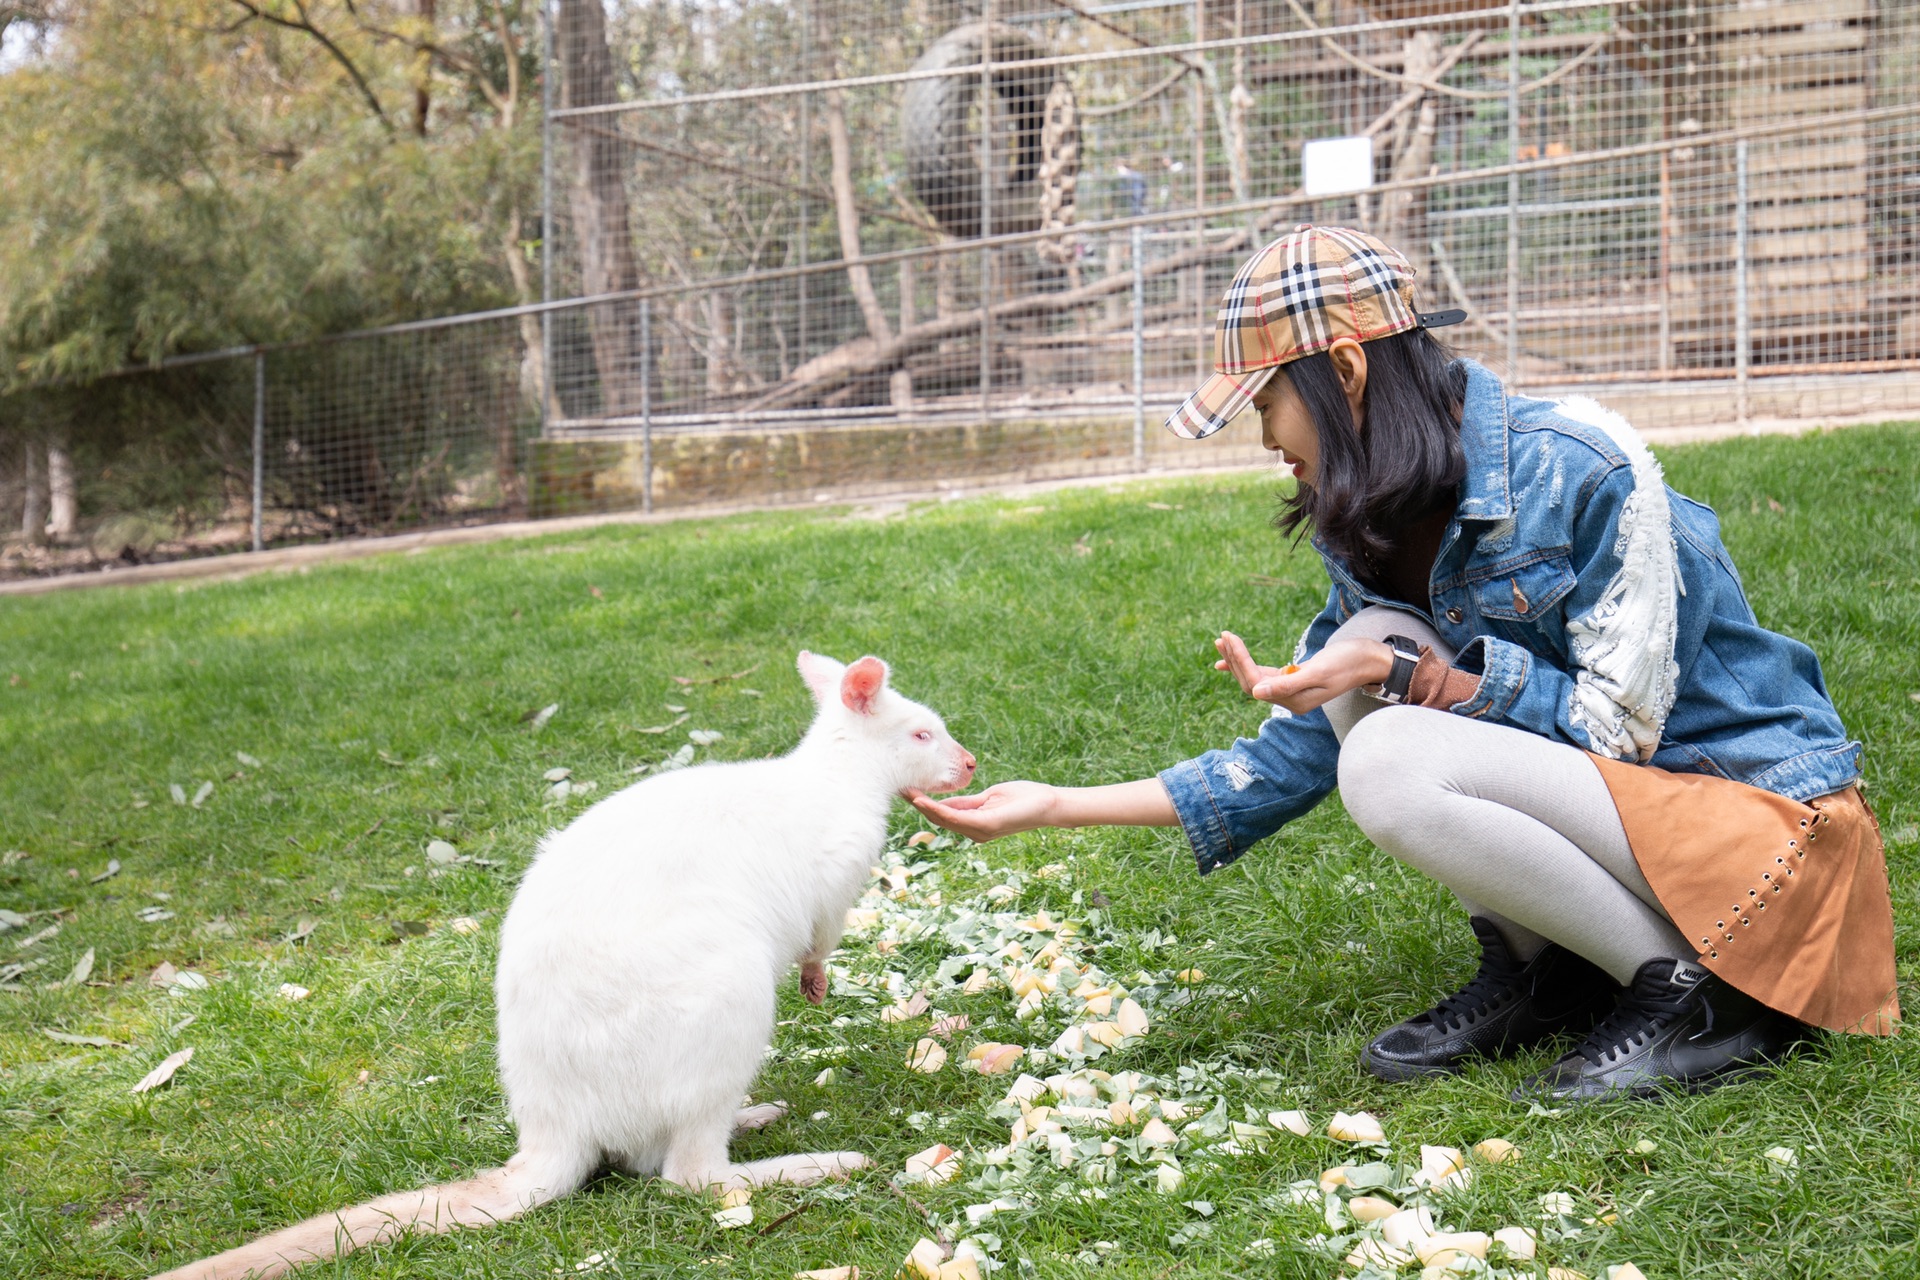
x=924, y=736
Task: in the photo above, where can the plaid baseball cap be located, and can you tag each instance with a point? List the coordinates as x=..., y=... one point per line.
x=1293, y=298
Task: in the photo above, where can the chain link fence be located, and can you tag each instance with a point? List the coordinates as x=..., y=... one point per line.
x=831, y=249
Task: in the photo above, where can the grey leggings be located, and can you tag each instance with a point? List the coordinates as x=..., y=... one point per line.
x=1521, y=827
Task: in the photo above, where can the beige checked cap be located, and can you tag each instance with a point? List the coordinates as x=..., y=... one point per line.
x=1293, y=298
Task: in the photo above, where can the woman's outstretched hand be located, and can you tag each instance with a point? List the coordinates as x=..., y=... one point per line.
x=1341, y=667
x=1000, y=810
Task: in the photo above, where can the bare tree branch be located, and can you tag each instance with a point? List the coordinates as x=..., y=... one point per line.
x=339, y=55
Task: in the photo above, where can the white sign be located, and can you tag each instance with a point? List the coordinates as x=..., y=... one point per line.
x=1333, y=166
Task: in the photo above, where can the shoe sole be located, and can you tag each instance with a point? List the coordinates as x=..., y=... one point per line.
x=1651, y=1091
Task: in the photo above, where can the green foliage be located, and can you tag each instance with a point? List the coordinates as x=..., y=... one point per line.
x=381, y=703
x=179, y=175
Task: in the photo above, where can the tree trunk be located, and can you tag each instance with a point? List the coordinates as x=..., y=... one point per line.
x=846, y=213
x=423, y=70
x=63, y=508
x=602, y=232
x=1403, y=212
x=33, y=517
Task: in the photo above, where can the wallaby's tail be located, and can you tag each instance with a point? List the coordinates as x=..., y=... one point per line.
x=493, y=1196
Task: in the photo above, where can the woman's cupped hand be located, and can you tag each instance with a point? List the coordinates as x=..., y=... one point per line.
x=1341, y=667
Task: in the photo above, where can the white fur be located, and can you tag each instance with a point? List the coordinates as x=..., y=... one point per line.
x=639, y=960
x=1625, y=673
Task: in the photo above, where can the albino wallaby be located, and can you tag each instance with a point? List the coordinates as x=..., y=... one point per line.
x=638, y=964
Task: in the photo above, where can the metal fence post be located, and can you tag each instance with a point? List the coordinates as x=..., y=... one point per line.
x=646, y=405
x=548, y=395
x=1742, y=321
x=259, y=440
x=1139, y=349
x=1513, y=193
x=987, y=263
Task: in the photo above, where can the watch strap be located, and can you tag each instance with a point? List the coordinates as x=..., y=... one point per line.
x=1406, y=656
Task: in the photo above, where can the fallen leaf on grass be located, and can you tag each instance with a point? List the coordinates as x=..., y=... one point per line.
x=178, y=792
x=663, y=728
x=689, y=681
x=704, y=737
x=557, y=775
x=82, y=970
x=293, y=991
x=152, y=915
x=218, y=927
x=410, y=928
x=303, y=929
x=247, y=760
x=536, y=720
x=464, y=925
x=92, y=1042
x=35, y=940
x=200, y=796
x=113, y=869
x=163, y=976
x=739, y=1215
x=164, y=1072
x=188, y=980
x=11, y=919
x=441, y=852
x=919, y=838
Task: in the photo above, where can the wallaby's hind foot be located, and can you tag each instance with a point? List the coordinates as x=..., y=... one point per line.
x=701, y=1164
x=747, y=1119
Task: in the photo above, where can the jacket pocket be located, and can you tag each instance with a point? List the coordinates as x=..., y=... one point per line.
x=1523, y=590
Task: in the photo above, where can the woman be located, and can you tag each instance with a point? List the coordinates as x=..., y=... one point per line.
x=1537, y=680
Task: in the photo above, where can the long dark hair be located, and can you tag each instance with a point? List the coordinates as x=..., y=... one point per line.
x=1370, y=486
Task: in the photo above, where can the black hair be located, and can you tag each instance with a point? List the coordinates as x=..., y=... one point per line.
x=1369, y=486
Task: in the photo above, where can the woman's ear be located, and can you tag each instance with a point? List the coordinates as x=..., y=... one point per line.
x=1350, y=366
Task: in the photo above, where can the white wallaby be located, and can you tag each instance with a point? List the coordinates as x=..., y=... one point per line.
x=639, y=960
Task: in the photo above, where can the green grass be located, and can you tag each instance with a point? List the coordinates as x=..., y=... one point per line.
x=385, y=702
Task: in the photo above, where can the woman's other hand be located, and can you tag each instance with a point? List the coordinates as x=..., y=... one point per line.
x=1000, y=810
x=1341, y=667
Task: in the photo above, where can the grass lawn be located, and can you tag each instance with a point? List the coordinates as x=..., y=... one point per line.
x=348, y=716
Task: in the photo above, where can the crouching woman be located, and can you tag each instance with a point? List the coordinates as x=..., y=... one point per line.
x=1537, y=680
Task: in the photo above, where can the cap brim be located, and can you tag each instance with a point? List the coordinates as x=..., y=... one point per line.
x=1218, y=401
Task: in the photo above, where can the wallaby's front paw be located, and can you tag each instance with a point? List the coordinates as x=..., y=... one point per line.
x=813, y=981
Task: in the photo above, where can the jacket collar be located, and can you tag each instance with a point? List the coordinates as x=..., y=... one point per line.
x=1485, y=492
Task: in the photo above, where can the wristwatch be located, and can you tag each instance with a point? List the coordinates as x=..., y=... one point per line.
x=1406, y=656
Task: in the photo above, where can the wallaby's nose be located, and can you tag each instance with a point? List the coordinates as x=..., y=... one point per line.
x=966, y=758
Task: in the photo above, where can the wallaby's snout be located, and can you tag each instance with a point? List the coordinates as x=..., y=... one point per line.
x=963, y=766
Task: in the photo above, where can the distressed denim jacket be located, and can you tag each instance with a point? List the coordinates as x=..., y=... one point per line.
x=1599, y=608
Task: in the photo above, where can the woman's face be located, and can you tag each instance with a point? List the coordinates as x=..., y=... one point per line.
x=1287, y=428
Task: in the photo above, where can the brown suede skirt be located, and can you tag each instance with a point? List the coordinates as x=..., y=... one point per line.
x=1786, y=901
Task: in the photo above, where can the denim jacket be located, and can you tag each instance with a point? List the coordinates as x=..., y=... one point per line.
x=1600, y=609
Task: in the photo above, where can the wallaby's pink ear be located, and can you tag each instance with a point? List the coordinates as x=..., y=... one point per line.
x=862, y=684
x=822, y=675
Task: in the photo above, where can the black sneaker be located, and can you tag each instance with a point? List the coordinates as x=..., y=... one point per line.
x=1678, y=1026
x=1510, y=1005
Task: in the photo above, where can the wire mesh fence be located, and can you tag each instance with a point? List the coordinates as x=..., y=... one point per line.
x=836, y=248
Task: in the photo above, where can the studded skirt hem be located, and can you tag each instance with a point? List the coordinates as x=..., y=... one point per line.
x=1786, y=901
